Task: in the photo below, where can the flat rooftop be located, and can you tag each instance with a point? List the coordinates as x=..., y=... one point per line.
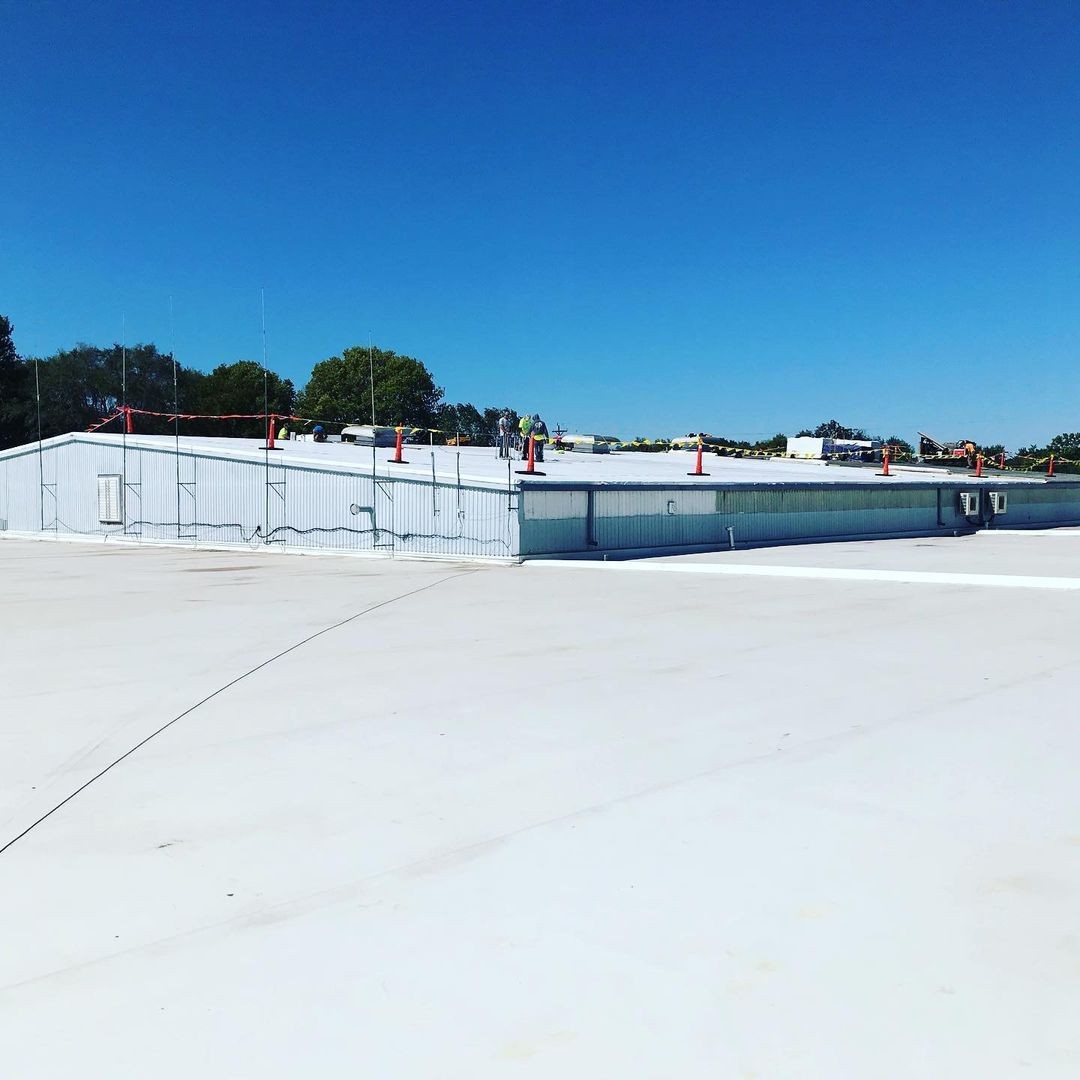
x=482, y=465
x=626, y=819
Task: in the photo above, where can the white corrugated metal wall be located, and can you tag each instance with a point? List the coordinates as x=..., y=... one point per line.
x=195, y=495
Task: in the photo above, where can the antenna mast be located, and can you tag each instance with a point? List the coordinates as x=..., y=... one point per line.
x=176, y=409
x=371, y=374
x=127, y=420
x=41, y=465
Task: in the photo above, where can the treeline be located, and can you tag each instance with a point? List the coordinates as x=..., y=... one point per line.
x=81, y=386
x=1064, y=448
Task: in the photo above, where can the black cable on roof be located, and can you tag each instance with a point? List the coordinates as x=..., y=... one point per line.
x=221, y=689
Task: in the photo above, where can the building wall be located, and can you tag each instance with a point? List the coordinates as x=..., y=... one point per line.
x=201, y=497
x=597, y=518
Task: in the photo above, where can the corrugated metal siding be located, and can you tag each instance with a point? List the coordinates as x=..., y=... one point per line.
x=1051, y=504
x=197, y=496
x=680, y=517
x=651, y=516
x=201, y=496
x=557, y=519
x=20, y=493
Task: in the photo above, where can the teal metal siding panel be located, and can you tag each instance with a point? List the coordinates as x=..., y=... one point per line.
x=653, y=516
x=1051, y=504
x=631, y=519
x=553, y=537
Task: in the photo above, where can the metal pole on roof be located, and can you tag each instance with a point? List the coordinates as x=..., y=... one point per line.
x=371, y=376
x=176, y=409
x=127, y=420
x=266, y=414
x=41, y=464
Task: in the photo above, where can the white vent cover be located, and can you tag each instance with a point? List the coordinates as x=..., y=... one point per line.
x=110, y=499
x=999, y=502
x=969, y=502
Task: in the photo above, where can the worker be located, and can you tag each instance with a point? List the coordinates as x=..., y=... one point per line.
x=318, y=434
x=525, y=427
x=969, y=453
x=283, y=434
x=505, y=431
x=539, y=434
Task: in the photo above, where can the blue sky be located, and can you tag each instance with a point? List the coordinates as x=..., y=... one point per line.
x=645, y=218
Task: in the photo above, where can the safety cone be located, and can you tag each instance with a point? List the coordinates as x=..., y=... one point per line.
x=271, y=431
x=530, y=468
x=397, y=459
x=978, y=465
x=697, y=468
x=1050, y=470
x=885, y=463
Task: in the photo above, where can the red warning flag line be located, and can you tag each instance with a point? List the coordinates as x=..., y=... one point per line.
x=131, y=411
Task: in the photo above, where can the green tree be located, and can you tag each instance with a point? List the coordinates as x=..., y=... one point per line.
x=901, y=445
x=241, y=387
x=85, y=384
x=339, y=389
x=491, y=421
x=461, y=419
x=1066, y=445
x=777, y=442
x=833, y=429
x=16, y=391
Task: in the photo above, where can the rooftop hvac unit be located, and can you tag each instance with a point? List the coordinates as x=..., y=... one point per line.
x=969, y=503
x=999, y=502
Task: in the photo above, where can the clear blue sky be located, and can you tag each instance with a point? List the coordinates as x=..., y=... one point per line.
x=645, y=218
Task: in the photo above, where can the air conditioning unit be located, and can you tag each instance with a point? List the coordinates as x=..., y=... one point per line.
x=999, y=502
x=969, y=503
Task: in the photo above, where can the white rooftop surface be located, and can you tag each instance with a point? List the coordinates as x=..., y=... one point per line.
x=481, y=464
x=541, y=821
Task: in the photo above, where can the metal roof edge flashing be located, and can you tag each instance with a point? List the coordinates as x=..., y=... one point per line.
x=792, y=485
x=46, y=444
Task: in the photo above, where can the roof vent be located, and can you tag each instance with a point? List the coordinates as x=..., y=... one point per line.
x=110, y=499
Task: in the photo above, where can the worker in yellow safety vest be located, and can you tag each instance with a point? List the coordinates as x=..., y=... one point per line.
x=525, y=428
